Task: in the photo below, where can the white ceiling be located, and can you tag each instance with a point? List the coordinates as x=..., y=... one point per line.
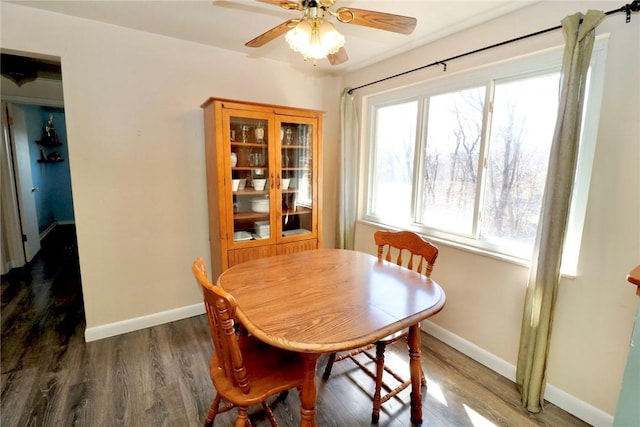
x=228, y=24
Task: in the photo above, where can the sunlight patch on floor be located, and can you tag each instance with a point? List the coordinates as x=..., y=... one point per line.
x=434, y=390
x=476, y=419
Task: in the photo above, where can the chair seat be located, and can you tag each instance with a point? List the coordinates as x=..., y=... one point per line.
x=270, y=370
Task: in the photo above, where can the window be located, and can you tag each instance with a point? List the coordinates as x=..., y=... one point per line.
x=464, y=158
x=394, y=145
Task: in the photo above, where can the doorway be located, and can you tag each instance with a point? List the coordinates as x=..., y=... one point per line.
x=35, y=160
x=35, y=166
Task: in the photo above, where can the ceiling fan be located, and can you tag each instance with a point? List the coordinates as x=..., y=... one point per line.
x=315, y=37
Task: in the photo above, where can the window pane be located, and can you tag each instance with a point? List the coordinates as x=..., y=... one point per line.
x=523, y=121
x=450, y=161
x=395, y=135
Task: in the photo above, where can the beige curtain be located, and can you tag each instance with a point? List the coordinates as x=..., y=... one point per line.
x=348, y=172
x=544, y=274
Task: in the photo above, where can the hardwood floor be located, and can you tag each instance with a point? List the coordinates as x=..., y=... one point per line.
x=159, y=376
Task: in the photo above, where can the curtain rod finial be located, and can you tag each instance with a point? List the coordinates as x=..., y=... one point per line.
x=634, y=6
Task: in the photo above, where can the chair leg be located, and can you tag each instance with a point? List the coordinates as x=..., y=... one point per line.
x=327, y=368
x=375, y=414
x=213, y=410
x=269, y=412
x=243, y=417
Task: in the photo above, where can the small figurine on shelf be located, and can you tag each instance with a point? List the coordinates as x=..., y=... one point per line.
x=50, y=132
x=259, y=131
x=244, y=133
x=54, y=157
x=288, y=136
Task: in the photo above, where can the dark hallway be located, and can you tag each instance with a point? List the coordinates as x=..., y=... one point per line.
x=42, y=310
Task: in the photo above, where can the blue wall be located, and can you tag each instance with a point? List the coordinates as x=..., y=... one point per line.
x=54, y=201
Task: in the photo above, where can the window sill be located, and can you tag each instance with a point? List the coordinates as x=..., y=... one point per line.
x=465, y=247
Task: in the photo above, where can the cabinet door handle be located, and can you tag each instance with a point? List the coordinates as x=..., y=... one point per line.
x=271, y=180
x=278, y=180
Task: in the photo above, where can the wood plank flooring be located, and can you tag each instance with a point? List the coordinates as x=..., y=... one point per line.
x=159, y=376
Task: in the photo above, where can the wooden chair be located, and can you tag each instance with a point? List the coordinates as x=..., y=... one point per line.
x=417, y=247
x=244, y=370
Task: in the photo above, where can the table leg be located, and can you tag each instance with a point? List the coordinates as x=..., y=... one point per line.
x=414, y=364
x=308, y=392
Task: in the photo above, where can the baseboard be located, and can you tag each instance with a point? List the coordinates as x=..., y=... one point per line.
x=53, y=225
x=553, y=394
x=48, y=230
x=112, y=329
x=577, y=407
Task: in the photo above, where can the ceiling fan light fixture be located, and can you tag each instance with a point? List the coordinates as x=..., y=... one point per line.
x=330, y=38
x=299, y=37
x=314, y=38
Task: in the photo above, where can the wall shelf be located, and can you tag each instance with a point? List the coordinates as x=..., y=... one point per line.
x=45, y=155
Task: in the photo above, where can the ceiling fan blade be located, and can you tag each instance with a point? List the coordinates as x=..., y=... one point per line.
x=271, y=34
x=339, y=57
x=380, y=20
x=291, y=5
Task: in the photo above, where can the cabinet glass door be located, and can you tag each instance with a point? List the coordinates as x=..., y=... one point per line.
x=251, y=177
x=296, y=177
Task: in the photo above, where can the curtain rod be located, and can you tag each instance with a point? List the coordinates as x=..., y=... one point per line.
x=628, y=8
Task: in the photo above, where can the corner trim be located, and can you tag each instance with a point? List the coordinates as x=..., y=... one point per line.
x=112, y=329
x=553, y=394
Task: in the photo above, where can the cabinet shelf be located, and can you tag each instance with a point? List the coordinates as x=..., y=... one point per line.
x=249, y=168
x=250, y=192
x=298, y=211
x=248, y=144
x=245, y=216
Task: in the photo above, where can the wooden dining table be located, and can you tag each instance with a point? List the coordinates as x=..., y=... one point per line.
x=330, y=300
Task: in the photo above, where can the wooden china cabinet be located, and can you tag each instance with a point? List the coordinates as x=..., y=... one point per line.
x=263, y=182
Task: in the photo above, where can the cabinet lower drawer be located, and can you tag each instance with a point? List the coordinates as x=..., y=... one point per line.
x=238, y=256
x=299, y=246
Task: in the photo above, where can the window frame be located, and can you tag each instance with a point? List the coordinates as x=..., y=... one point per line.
x=537, y=63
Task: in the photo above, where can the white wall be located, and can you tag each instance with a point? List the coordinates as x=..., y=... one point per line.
x=135, y=130
x=595, y=311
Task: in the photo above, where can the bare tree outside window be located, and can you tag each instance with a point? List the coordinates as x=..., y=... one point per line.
x=454, y=131
x=522, y=128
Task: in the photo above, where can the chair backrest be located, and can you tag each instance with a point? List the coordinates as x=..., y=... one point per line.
x=221, y=309
x=407, y=241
